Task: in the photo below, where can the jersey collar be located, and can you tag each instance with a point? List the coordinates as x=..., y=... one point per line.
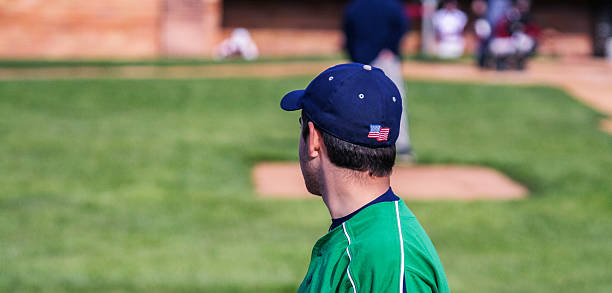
x=387, y=196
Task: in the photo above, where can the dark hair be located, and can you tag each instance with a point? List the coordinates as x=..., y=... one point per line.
x=378, y=161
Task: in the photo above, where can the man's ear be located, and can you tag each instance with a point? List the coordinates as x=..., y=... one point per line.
x=315, y=141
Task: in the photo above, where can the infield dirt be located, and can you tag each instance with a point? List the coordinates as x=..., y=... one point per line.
x=421, y=182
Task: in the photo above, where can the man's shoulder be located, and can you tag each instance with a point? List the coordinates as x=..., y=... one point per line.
x=376, y=230
x=377, y=219
x=377, y=239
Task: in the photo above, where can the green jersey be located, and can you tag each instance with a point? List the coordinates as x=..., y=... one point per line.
x=381, y=248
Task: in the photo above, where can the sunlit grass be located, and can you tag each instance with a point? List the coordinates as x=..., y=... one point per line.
x=113, y=185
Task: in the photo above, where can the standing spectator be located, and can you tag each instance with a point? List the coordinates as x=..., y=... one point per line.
x=483, y=29
x=515, y=37
x=449, y=23
x=601, y=28
x=373, y=30
x=496, y=10
x=488, y=13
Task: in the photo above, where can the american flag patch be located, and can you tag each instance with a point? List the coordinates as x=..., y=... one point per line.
x=378, y=132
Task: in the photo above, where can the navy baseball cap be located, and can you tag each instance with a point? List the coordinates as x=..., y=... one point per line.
x=354, y=102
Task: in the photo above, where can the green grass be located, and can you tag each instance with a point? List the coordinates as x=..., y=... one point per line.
x=163, y=62
x=44, y=63
x=144, y=185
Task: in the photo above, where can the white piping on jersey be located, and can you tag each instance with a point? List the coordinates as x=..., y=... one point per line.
x=349, y=255
x=401, y=239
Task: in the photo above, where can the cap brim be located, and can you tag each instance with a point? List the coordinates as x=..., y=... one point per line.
x=292, y=101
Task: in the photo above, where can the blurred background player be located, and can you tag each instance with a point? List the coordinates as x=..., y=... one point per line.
x=240, y=44
x=515, y=37
x=482, y=29
x=449, y=23
x=373, y=31
x=488, y=13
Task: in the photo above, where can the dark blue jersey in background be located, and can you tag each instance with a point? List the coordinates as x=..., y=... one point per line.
x=371, y=26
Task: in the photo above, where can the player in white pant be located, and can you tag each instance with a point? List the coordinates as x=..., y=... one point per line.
x=391, y=65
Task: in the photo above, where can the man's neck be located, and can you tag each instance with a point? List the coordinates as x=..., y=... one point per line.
x=344, y=194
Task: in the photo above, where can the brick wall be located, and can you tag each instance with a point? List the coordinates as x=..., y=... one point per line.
x=107, y=28
x=189, y=27
x=153, y=28
x=67, y=28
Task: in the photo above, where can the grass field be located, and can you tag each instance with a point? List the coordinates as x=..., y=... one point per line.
x=157, y=62
x=160, y=62
x=144, y=186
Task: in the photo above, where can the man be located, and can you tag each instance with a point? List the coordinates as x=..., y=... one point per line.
x=350, y=122
x=483, y=29
x=515, y=37
x=373, y=30
x=449, y=23
x=489, y=12
x=239, y=43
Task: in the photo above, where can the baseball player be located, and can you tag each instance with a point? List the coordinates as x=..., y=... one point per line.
x=239, y=43
x=449, y=23
x=373, y=31
x=350, y=121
